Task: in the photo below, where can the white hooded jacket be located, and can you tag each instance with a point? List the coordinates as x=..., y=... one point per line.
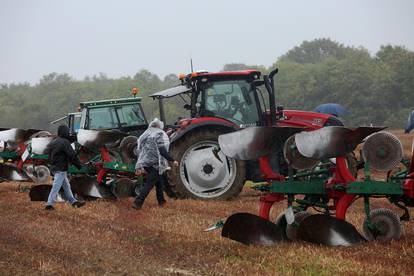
x=147, y=147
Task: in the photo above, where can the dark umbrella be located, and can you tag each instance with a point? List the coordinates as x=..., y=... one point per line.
x=410, y=123
x=331, y=108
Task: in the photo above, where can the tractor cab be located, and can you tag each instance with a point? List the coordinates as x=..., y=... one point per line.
x=232, y=96
x=124, y=114
x=72, y=120
x=234, y=99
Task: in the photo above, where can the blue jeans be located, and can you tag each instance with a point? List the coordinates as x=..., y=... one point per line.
x=60, y=179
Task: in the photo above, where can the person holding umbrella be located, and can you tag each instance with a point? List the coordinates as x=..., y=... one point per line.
x=331, y=108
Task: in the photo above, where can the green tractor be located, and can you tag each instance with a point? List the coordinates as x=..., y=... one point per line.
x=105, y=135
x=124, y=115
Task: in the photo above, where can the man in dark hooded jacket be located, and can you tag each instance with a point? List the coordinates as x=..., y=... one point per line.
x=61, y=154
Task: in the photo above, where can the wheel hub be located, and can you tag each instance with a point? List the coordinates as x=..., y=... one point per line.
x=203, y=173
x=208, y=169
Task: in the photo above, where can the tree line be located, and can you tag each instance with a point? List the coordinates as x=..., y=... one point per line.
x=376, y=88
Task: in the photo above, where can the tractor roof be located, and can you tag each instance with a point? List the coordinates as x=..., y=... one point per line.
x=171, y=92
x=185, y=87
x=228, y=74
x=110, y=102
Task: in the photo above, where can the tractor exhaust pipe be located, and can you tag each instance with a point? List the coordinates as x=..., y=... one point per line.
x=270, y=87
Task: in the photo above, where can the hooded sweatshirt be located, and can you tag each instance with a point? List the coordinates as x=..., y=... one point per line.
x=152, y=147
x=60, y=151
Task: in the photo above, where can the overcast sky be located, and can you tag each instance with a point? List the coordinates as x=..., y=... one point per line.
x=119, y=38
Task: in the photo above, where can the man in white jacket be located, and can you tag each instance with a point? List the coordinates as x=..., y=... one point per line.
x=152, y=149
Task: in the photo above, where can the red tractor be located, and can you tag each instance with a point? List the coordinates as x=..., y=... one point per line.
x=221, y=103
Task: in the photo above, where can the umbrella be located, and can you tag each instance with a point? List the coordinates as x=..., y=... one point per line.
x=331, y=108
x=410, y=122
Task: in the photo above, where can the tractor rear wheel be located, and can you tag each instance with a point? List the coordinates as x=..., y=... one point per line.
x=386, y=223
x=203, y=173
x=128, y=149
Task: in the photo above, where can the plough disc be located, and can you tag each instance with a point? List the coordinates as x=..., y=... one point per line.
x=39, y=174
x=251, y=229
x=328, y=230
x=332, y=141
x=253, y=142
x=383, y=151
x=295, y=159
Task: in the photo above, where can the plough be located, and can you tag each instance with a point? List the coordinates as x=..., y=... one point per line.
x=17, y=163
x=330, y=190
x=104, y=134
x=102, y=175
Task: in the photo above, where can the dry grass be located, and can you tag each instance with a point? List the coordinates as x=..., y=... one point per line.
x=111, y=238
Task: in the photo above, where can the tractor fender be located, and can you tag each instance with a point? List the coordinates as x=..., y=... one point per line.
x=202, y=123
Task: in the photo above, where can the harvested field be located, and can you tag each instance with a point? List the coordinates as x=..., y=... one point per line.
x=107, y=237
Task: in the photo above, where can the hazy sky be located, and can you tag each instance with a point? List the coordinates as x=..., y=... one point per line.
x=82, y=37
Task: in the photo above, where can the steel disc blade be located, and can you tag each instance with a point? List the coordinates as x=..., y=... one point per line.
x=382, y=151
x=89, y=187
x=41, y=193
x=41, y=174
x=251, y=229
x=39, y=144
x=295, y=159
x=95, y=139
x=253, y=142
x=13, y=174
x=328, y=230
x=332, y=141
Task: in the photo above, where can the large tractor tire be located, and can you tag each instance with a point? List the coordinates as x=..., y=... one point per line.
x=203, y=173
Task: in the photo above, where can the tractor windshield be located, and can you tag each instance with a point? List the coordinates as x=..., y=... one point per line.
x=109, y=117
x=233, y=100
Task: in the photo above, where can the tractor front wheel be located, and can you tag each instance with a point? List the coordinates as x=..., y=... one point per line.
x=204, y=172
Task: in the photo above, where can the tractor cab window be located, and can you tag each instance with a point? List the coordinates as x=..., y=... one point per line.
x=102, y=118
x=232, y=100
x=130, y=115
x=116, y=116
